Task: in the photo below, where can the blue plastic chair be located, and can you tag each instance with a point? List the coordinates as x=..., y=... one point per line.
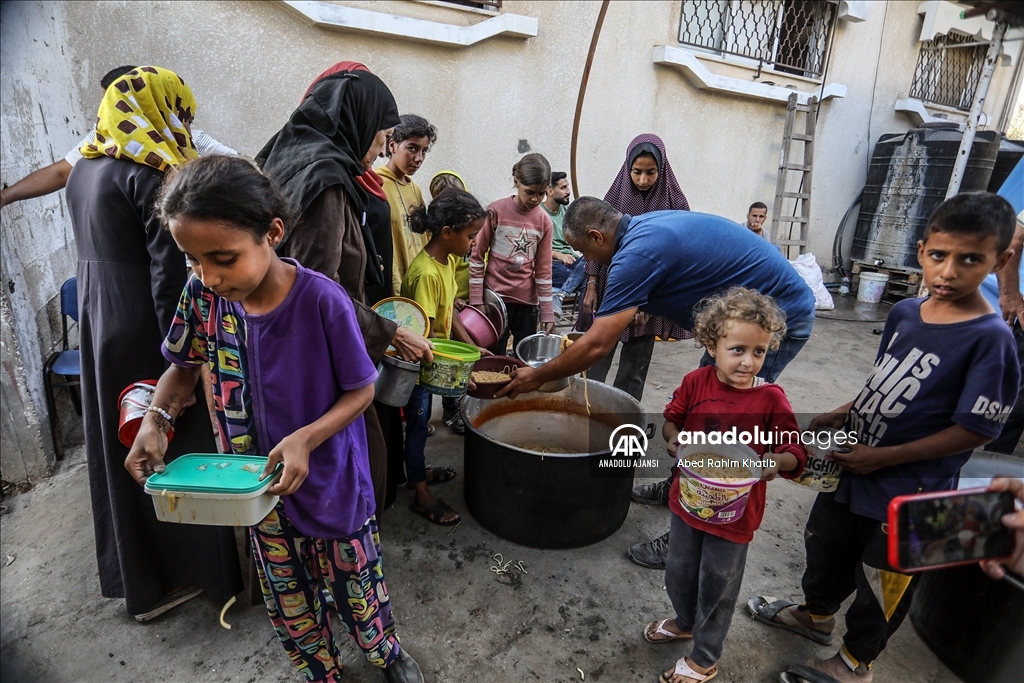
x=65, y=363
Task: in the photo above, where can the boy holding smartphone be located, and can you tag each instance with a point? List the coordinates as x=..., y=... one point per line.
x=945, y=380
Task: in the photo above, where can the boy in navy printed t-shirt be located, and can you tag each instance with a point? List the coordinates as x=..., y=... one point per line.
x=944, y=382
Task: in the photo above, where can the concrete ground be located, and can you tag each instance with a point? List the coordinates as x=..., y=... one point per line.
x=573, y=614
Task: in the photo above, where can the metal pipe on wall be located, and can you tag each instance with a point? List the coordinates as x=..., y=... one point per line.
x=583, y=92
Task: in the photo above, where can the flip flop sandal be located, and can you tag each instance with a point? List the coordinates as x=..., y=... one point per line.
x=657, y=628
x=170, y=602
x=438, y=475
x=764, y=611
x=683, y=669
x=435, y=511
x=805, y=674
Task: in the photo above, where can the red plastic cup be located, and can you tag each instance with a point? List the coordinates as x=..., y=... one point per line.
x=134, y=401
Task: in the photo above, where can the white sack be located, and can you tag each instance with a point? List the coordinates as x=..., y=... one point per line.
x=811, y=273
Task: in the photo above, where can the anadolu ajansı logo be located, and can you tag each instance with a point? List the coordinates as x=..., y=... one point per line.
x=628, y=441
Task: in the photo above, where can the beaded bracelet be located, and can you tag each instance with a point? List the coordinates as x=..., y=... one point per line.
x=162, y=413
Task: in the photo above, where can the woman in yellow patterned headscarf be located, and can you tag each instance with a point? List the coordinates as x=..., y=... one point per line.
x=130, y=277
x=144, y=117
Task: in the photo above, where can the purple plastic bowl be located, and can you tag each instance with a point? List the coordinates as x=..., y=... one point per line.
x=479, y=327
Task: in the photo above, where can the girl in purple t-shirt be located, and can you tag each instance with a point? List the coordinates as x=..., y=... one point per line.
x=291, y=379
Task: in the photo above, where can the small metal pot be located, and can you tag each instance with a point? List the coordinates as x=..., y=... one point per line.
x=396, y=379
x=538, y=349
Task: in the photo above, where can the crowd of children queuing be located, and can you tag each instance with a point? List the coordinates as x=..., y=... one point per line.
x=245, y=310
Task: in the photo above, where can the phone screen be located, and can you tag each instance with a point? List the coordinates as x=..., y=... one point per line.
x=954, y=529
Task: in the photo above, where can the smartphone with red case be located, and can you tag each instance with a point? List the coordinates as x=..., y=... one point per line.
x=948, y=528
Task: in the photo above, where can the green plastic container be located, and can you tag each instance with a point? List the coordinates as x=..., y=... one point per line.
x=449, y=376
x=213, y=489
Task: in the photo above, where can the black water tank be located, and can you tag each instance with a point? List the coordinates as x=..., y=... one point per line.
x=907, y=179
x=973, y=624
x=1010, y=152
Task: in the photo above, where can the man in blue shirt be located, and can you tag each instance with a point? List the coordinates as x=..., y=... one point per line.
x=1005, y=292
x=663, y=263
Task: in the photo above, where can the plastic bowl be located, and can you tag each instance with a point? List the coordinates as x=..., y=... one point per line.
x=486, y=390
x=478, y=326
x=449, y=374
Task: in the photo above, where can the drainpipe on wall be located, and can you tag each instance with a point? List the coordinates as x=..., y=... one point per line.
x=994, y=48
x=582, y=94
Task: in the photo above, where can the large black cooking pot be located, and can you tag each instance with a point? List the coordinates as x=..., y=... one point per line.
x=543, y=499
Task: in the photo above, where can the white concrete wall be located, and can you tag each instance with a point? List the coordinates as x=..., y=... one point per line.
x=40, y=119
x=249, y=62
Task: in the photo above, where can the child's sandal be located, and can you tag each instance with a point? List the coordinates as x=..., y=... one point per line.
x=655, y=632
x=435, y=513
x=684, y=669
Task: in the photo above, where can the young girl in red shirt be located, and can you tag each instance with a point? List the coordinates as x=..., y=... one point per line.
x=706, y=559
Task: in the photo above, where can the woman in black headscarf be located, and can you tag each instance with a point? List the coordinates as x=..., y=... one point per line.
x=329, y=141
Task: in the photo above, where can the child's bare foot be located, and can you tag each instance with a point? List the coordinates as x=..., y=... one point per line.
x=794, y=616
x=687, y=671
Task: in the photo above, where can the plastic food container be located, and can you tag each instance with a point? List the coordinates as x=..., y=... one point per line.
x=822, y=472
x=404, y=312
x=133, y=402
x=713, y=499
x=486, y=390
x=396, y=379
x=213, y=489
x=449, y=374
x=480, y=329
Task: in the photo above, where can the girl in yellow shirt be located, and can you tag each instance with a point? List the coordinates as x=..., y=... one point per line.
x=453, y=220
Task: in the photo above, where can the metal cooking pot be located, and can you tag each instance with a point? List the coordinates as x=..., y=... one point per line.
x=538, y=349
x=547, y=500
x=395, y=381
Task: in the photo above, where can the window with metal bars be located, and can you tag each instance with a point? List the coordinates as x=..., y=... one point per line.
x=791, y=36
x=948, y=70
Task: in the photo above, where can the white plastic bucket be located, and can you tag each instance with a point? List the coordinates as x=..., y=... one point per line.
x=872, y=286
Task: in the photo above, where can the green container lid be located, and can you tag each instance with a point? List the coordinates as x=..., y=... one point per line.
x=230, y=475
x=464, y=352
